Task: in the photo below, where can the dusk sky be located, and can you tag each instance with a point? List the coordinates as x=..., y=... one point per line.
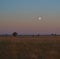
x=22, y=16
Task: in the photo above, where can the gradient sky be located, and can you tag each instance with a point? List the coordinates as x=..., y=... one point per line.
x=17, y=15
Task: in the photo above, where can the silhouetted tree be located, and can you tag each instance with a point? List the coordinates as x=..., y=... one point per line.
x=15, y=34
x=53, y=34
x=38, y=35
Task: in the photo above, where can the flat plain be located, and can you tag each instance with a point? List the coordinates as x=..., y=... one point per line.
x=30, y=47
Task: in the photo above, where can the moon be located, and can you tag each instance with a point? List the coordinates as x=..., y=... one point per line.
x=39, y=18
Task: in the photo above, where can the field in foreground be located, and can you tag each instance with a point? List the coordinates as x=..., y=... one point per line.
x=30, y=47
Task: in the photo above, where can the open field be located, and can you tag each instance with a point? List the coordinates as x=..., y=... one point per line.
x=30, y=47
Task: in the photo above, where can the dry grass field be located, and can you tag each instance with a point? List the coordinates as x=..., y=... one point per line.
x=30, y=47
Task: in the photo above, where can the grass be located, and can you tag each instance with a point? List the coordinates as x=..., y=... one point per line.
x=30, y=47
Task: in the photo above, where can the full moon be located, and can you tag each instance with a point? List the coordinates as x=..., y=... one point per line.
x=40, y=18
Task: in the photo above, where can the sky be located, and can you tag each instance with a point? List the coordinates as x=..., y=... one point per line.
x=21, y=16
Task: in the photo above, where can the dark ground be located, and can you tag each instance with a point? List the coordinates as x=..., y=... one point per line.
x=30, y=47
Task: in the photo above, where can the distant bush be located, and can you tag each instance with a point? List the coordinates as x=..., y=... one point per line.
x=38, y=35
x=53, y=34
x=15, y=34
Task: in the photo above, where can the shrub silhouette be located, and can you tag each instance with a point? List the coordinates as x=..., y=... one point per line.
x=53, y=34
x=15, y=34
x=38, y=35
